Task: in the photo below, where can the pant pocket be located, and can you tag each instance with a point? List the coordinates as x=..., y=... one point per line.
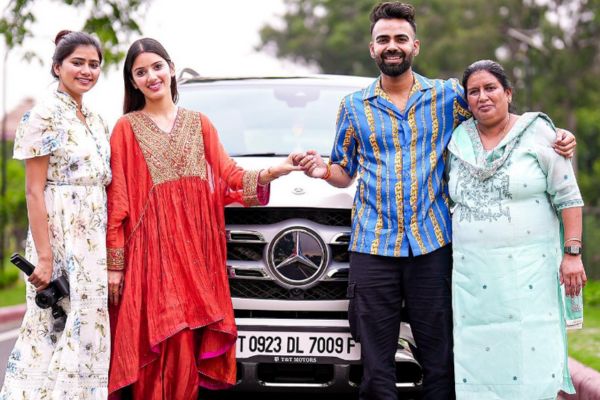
x=353, y=311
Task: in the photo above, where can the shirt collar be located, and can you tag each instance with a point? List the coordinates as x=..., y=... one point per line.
x=421, y=84
x=70, y=102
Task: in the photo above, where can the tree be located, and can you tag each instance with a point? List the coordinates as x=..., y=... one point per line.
x=551, y=50
x=111, y=20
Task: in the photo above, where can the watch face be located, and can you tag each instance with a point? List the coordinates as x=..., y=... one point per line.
x=573, y=250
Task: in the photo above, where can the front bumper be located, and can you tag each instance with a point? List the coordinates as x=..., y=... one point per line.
x=275, y=373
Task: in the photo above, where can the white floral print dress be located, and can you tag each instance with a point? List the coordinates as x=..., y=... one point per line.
x=72, y=364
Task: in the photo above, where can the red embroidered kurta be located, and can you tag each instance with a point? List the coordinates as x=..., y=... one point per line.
x=166, y=226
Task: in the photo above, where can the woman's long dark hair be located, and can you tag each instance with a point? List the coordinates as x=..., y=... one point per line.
x=134, y=99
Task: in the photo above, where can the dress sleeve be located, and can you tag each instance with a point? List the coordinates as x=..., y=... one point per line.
x=560, y=178
x=118, y=199
x=241, y=185
x=345, y=146
x=38, y=134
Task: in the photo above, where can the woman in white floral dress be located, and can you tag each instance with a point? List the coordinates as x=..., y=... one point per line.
x=67, y=162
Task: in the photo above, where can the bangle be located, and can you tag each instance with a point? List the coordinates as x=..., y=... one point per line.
x=327, y=173
x=573, y=239
x=270, y=175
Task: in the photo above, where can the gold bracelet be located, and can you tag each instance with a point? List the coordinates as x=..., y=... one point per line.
x=270, y=175
x=327, y=173
x=573, y=239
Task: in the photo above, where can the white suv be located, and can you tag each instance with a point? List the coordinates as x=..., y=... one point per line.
x=288, y=262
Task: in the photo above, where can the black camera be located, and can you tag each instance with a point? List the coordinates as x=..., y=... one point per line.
x=49, y=297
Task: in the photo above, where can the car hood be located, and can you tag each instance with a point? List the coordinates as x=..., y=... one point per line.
x=297, y=189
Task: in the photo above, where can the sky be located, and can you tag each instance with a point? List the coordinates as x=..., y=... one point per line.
x=210, y=36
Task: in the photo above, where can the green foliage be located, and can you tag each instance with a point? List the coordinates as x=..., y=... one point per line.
x=13, y=295
x=13, y=206
x=591, y=294
x=553, y=62
x=8, y=275
x=584, y=344
x=591, y=238
x=336, y=41
x=112, y=21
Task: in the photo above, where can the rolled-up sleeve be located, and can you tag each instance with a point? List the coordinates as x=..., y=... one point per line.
x=345, y=146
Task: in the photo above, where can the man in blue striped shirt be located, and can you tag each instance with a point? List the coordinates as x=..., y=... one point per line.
x=392, y=136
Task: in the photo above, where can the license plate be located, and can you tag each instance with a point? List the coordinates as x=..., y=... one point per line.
x=297, y=344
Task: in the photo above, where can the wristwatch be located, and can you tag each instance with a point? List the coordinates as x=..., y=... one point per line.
x=573, y=250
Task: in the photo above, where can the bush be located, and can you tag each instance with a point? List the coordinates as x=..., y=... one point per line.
x=591, y=294
x=8, y=276
x=591, y=238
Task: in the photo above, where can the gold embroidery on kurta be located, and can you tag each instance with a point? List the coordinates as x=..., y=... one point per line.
x=250, y=186
x=175, y=155
x=115, y=259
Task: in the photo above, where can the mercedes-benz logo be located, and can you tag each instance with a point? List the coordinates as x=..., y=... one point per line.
x=297, y=256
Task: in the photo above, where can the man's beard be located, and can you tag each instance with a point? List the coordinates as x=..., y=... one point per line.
x=394, y=69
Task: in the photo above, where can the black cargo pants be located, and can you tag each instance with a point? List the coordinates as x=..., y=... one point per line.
x=377, y=286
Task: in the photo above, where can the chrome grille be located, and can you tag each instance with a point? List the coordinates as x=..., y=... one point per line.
x=245, y=251
x=269, y=290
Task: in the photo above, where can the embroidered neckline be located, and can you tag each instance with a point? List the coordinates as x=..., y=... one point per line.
x=180, y=155
x=486, y=164
x=151, y=124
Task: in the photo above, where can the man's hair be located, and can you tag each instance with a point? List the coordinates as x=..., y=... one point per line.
x=393, y=10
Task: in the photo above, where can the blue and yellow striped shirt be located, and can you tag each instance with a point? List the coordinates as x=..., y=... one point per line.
x=401, y=200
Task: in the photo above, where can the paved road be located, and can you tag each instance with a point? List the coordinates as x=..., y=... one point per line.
x=8, y=335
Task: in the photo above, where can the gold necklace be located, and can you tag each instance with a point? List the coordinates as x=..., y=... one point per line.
x=500, y=135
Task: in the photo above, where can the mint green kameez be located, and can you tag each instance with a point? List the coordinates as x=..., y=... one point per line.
x=509, y=320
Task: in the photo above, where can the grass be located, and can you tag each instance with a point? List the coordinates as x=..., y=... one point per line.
x=584, y=344
x=14, y=294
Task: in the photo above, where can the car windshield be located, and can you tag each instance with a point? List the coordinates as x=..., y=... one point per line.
x=271, y=119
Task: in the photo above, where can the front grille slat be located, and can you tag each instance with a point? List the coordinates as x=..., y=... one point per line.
x=245, y=251
x=269, y=290
x=340, y=253
x=291, y=314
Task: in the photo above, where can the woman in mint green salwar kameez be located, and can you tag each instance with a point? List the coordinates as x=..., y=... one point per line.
x=510, y=191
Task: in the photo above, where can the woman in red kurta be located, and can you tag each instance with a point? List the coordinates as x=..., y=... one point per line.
x=172, y=320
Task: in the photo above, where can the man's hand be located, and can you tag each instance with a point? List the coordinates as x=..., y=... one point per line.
x=312, y=164
x=565, y=143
